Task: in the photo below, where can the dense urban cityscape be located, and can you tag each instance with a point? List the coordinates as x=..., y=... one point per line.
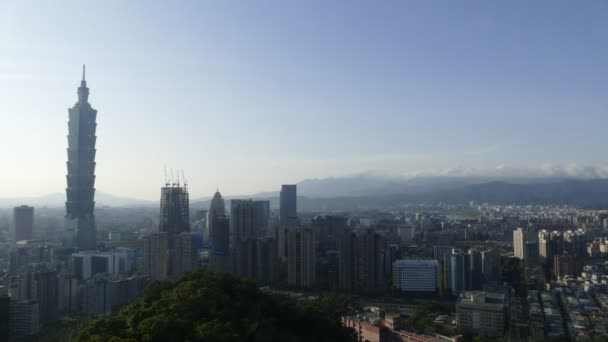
x=296, y=171
x=412, y=272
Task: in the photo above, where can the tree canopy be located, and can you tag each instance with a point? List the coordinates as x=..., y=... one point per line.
x=209, y=306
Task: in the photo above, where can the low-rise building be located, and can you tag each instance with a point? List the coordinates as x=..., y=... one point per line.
x=480, y=312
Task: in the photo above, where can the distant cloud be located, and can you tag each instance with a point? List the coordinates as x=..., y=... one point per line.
x=572, y=170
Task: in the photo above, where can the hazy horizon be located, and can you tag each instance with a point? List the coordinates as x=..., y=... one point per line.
x=249, y=97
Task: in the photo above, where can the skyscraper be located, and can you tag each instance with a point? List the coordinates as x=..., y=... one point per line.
x=174, y=220
x=219, y=237
x=519, y=240
x=174, y=211
x=288, y=211
x=80, y=191
x=23, y=218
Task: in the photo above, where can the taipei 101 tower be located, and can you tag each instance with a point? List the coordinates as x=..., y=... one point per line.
x=80, y=191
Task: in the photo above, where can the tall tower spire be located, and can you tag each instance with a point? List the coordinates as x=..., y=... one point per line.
x=80, y=191
x=83, y=91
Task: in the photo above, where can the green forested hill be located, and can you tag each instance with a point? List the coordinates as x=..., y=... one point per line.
x=208, y=306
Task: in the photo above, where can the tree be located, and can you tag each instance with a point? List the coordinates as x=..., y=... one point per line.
x=209, y=306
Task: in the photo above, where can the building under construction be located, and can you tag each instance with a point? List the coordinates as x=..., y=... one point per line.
x=174, y=217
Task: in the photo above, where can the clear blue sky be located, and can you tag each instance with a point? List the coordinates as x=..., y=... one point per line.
x=247, y=95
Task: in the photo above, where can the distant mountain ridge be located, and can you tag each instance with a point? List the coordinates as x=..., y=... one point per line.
x=335, y=194
x=58, y=199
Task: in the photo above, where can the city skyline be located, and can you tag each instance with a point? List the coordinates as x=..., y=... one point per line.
x=445, y=87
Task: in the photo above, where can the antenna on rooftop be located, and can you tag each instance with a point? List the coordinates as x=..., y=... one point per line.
x=184, y=178
x=166, y=179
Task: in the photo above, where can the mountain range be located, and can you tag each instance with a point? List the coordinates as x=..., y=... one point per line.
x=370, y=191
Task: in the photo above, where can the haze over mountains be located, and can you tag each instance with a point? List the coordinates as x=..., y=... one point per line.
x=370, y=190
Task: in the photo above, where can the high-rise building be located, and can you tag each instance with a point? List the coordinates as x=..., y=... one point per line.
x=80, y=204
x=248, y=224
x=266, y=255
x=371, y=249
x=416, y=275
x=327, y=228
x=186, y=254
x=39, y=283
x=174, y=220
x=219, y=260
x=347, y=249
x=288, y=215
x=476, y=269
x=5, y=304
x=531, y=253
x=23, y=318
x=243, y=221
x=519, y=241
x=86, y=264
x=174, y=211
x=443, y=254
x=95, y=299
x=460, y=271
x=155, y=255
x=492, y=270
x=362, y=258
x=217, y=208
x=23, y=218
x=564, y=265
x=301, y=257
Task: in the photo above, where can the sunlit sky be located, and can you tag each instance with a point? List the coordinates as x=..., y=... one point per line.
x=247, y=95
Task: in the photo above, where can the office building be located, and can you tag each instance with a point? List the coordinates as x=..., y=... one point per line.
x=482, y=313
x=155, y=256
x=301, y=257
x=416, y=275
x=86, y=264
x=80, y=230
x=23, y=222
x=288, y=211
